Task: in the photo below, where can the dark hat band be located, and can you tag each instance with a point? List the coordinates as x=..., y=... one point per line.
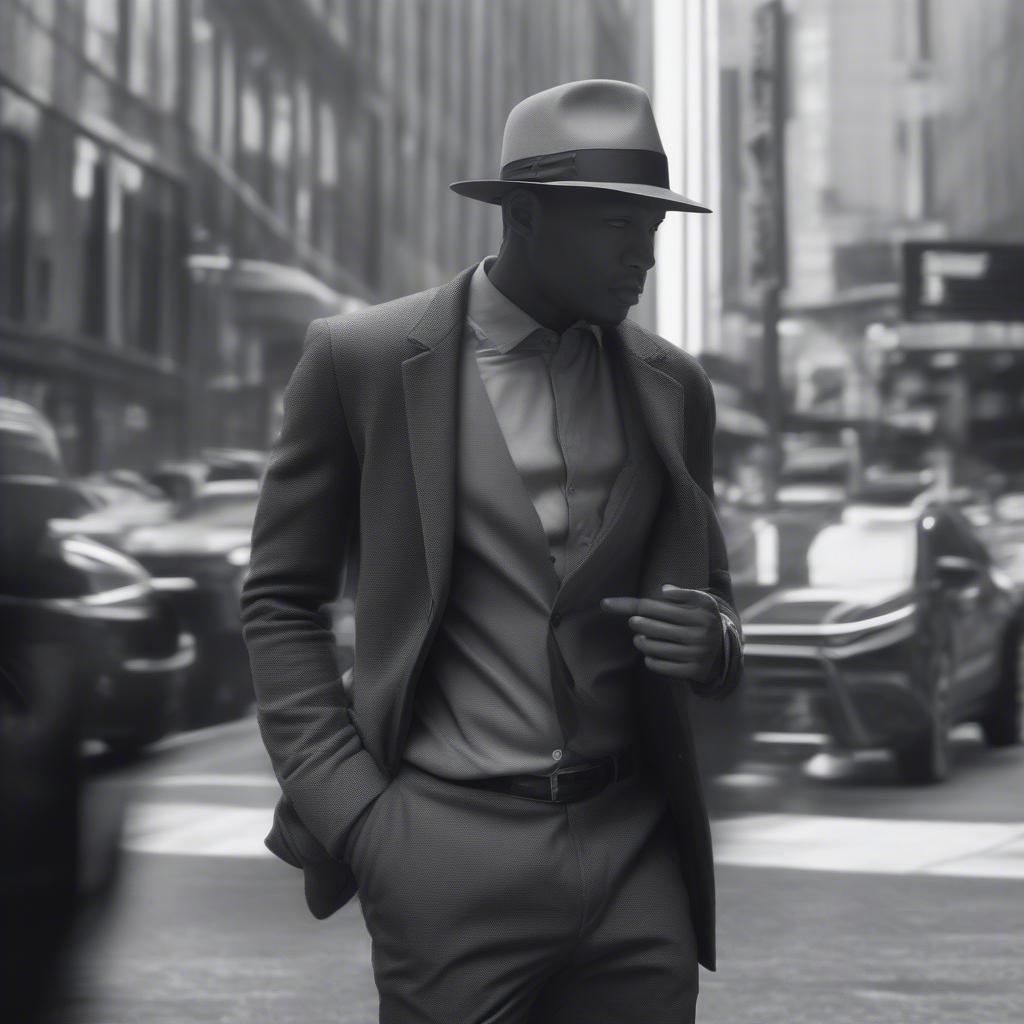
x=626, y=166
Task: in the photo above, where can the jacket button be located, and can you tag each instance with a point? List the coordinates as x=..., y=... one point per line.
x=556, y=619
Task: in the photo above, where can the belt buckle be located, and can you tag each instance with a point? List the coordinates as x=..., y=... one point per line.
x=553, y=777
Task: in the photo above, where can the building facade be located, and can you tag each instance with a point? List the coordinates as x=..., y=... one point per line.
x=93, y=158
x=185, y=184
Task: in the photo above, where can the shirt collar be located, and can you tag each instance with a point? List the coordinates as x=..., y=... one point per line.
x=496, y=318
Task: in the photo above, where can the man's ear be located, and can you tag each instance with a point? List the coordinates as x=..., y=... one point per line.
x=520, y=212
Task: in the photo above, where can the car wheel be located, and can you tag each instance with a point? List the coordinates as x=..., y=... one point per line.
x=1003, y=722
x=927, y=758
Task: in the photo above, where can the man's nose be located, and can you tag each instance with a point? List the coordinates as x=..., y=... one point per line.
x=641, y=254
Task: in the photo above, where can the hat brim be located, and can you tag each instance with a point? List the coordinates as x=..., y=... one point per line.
x=492, y=191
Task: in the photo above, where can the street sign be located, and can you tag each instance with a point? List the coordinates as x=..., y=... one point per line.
x=962, y=281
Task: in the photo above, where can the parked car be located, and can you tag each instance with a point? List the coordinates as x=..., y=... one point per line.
x=197, y=559
x=234, y=463
x=876, y=627
x=182, y=479
x=123, y=511
x=130, y=654
x=179, y=480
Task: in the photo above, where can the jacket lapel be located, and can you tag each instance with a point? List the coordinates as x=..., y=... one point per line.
x=660, y=397
x=430, y=379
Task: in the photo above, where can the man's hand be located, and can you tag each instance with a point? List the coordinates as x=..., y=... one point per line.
x=679, y=636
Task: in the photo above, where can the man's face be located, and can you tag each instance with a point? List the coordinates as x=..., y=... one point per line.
x=591, y=251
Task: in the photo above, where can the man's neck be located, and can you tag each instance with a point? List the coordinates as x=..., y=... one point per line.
x=514, y=280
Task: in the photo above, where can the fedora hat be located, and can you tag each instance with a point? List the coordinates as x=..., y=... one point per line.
x=597, y=133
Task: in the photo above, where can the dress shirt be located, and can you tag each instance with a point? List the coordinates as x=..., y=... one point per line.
x=552, y=396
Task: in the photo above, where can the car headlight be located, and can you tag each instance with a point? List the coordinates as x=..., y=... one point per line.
x=239, y=556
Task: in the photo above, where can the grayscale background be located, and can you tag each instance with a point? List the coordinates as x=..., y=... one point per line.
x=186, y=184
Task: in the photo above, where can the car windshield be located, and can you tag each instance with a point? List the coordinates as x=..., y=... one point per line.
x=838, y=554
x=862, y=554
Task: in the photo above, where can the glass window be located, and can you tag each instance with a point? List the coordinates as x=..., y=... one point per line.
x=18, y=124
x=304, y=162
x=327, y=178
x=102, y=23
x=39, y=48
x=140, y=265
x=204, y=82
x=281, y=143
x=49, y=237
x=89, y=188
x=150, y=260
x=167, y=49
x=228, y=119
x=253, y=130
x=142, y=68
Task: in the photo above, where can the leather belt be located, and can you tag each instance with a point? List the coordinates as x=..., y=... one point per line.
x=563, y=785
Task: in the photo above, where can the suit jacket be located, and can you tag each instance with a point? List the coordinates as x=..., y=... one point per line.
x=368, y=442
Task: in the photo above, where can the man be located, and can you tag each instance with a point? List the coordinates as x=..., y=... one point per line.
x=511, y=786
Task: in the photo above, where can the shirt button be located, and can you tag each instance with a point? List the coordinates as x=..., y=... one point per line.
x=571, y=489
x=556, y=754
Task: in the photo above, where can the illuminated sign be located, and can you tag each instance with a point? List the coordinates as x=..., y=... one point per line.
x=962, y=281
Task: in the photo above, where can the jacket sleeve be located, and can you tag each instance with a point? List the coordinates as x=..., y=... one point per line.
x=309, y=494
x=700, y=460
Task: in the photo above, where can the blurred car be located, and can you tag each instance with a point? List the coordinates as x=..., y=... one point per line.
x=130, y=655
x=198, y=558
x=875, y=627
x=234, y=463
x=181, y=479
x=124, y=510
x=118, y=487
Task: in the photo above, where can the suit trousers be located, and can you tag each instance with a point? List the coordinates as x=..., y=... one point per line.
x=488, y=908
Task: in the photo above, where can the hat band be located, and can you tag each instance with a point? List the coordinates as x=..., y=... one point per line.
x=625, y=166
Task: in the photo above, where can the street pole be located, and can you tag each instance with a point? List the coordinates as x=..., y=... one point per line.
x=769, y=266
x=772, y=382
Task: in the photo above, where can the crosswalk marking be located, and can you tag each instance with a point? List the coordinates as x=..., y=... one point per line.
x=871, y=845
x=201, y=830
x=793, y=841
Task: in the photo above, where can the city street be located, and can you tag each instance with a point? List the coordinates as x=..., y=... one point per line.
x=843, y=897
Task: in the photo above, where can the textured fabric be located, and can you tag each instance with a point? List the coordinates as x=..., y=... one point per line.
x=368, y=441
x=487, y=908
x=554, y=399
x=495, y=697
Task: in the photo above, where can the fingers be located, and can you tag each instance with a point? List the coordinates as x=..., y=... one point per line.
x=658, y=629
x=666, y=651
x=687, y=614
x=689, y=597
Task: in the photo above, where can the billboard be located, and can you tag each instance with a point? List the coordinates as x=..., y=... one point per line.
x=962, y=281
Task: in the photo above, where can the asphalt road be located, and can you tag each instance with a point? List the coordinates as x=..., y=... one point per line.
x=844, y=897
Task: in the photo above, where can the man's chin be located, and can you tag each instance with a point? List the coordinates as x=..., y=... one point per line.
x=611, y=319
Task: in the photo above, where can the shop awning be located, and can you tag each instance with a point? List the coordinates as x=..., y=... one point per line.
x=264, y=291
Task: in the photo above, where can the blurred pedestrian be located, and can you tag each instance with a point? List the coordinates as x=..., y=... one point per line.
x=543, y=581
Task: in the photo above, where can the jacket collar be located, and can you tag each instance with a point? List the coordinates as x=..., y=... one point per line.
x=446, y=313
